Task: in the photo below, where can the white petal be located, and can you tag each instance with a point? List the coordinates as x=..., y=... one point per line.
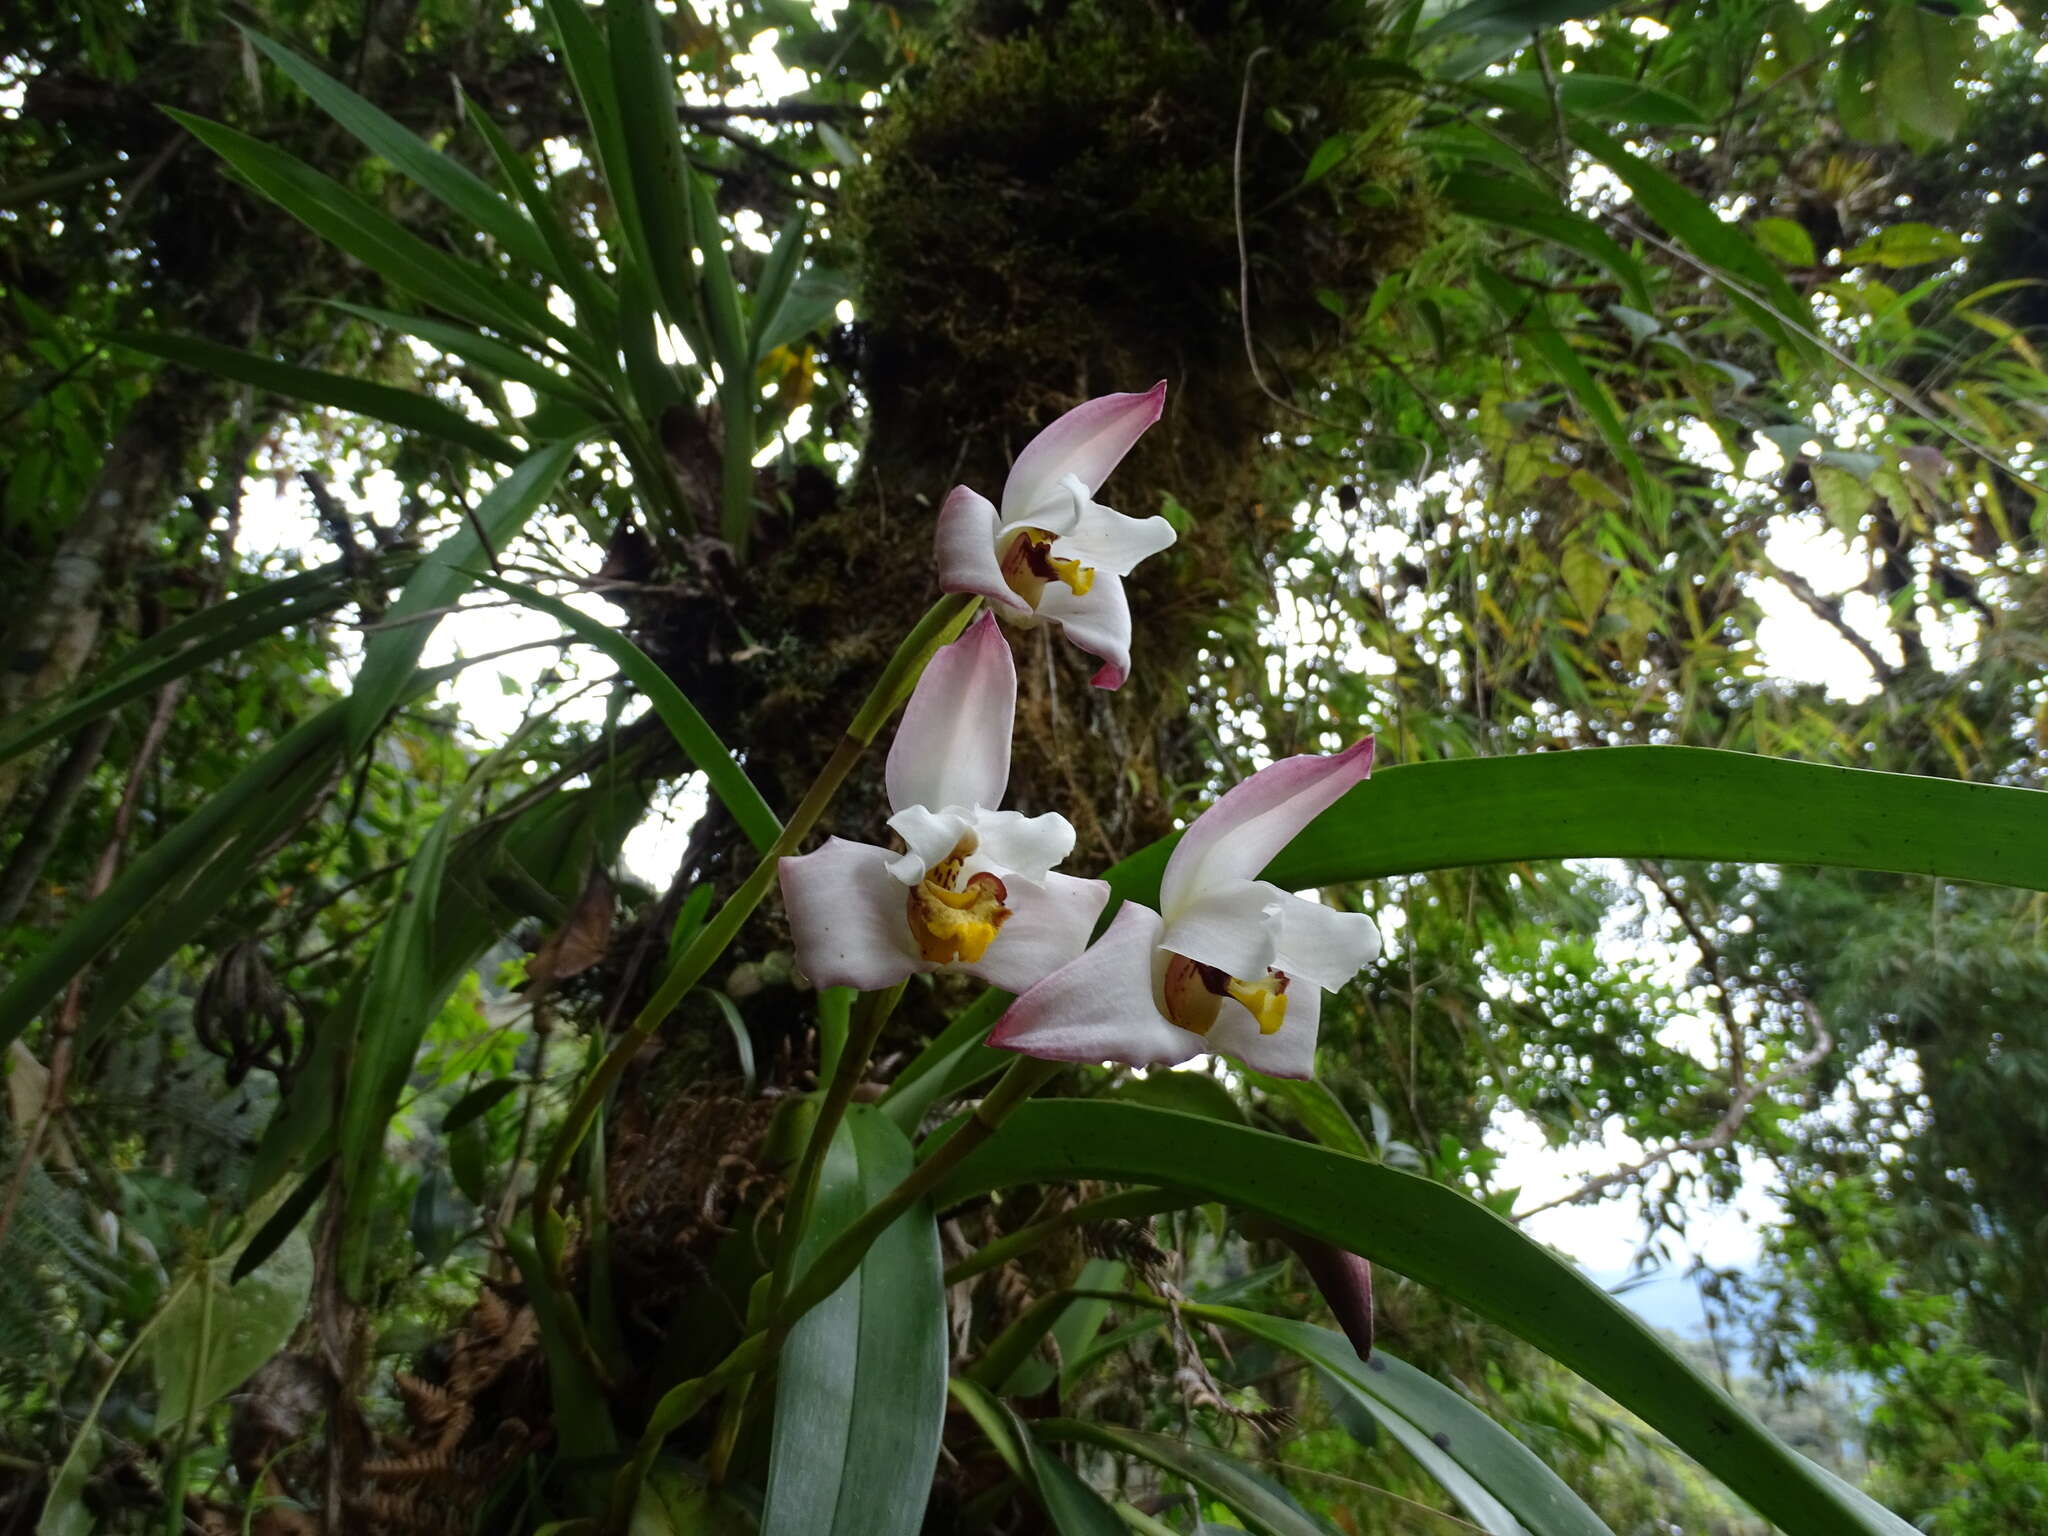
x=1099, y=623
x=1290, y=1051
x=1048, y=927
x=1101, y=1007
x=1225, y=927
x=1237, y=837
x=953, y=747
x=1088, y=442
x=1110, y=541
x=929, y=835
x=848, y=917
x=1015, y=844
x=965, y=545
x=1315, y=943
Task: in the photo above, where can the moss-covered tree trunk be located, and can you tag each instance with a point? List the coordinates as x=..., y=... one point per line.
x=1049, y=214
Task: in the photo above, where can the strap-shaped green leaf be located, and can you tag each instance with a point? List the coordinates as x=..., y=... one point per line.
x=1528, y=316
x=862, y=1384
x=452, y=184
x=692, y=732
x=1263, y=1505
x=251, y=796
x=443, y=576
x=1439, y=1238
x=338, y=216
x=500, y=357
x=596, y=308
x=1434, y=1422
x=1074, y=1508
x=643, y=84
x=213, y=632
x=1515, y=204
x=1752, y=280
x=380, y=402
x=1654, y=803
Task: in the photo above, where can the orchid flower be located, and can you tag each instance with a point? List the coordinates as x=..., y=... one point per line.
x=974, y=891
x=1229, y=962
x=1053, y=553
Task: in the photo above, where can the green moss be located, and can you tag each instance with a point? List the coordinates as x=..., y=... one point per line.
x=1048, y=214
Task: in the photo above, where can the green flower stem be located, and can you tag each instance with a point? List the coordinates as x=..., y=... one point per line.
x=842, y=1257
x=1124, y=1204
x=941, y=622
x=1024, y=1078
x=875, y=1011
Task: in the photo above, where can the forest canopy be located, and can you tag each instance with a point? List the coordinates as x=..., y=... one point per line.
x=981, y=765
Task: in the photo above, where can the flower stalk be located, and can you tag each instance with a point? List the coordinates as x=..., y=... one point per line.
x=943, y=620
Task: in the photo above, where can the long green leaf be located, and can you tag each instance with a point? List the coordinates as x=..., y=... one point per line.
x=1074, y=1508
x=195, y=841
x=1518, y=205
x=862, y=1386
x=590, y=70
x=452, y=184
x=643, y=82
x=596, y=308
x=1654, y=803
x=1528, y=316
x=546, y=852
x=692, y=732
x=1597, y=98
x=1439, y=1238
x=380, y=402
x=1434, y=1422
x=447, y=572
x=213, y=632
x=1256, y=1499
x=338, y=216
x=1752, y=280
x=501, y=358
x=400, y=999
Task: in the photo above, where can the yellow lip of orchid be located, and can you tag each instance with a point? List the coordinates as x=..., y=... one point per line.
x=955, y=923
x=1030, y=566
x=1194, y=994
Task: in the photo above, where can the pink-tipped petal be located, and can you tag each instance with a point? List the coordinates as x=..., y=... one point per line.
x=953, y=747
x=1048, y=928
x=1087, y=443
x=1290, y=1051
x=848, y=917
x=1100, y=1008
x=1099, y=623
x=1238, y=836
x=965, y=548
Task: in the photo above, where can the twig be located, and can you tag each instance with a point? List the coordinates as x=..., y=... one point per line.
x=1710, y=957
x=1829, y=611
x=1719, y=1137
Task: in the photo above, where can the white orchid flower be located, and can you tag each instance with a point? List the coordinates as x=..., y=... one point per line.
x=1053, y=553
x=974, y=891
x=1230, y=962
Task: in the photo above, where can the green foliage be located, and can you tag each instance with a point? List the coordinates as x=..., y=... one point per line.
x=1502, y=402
